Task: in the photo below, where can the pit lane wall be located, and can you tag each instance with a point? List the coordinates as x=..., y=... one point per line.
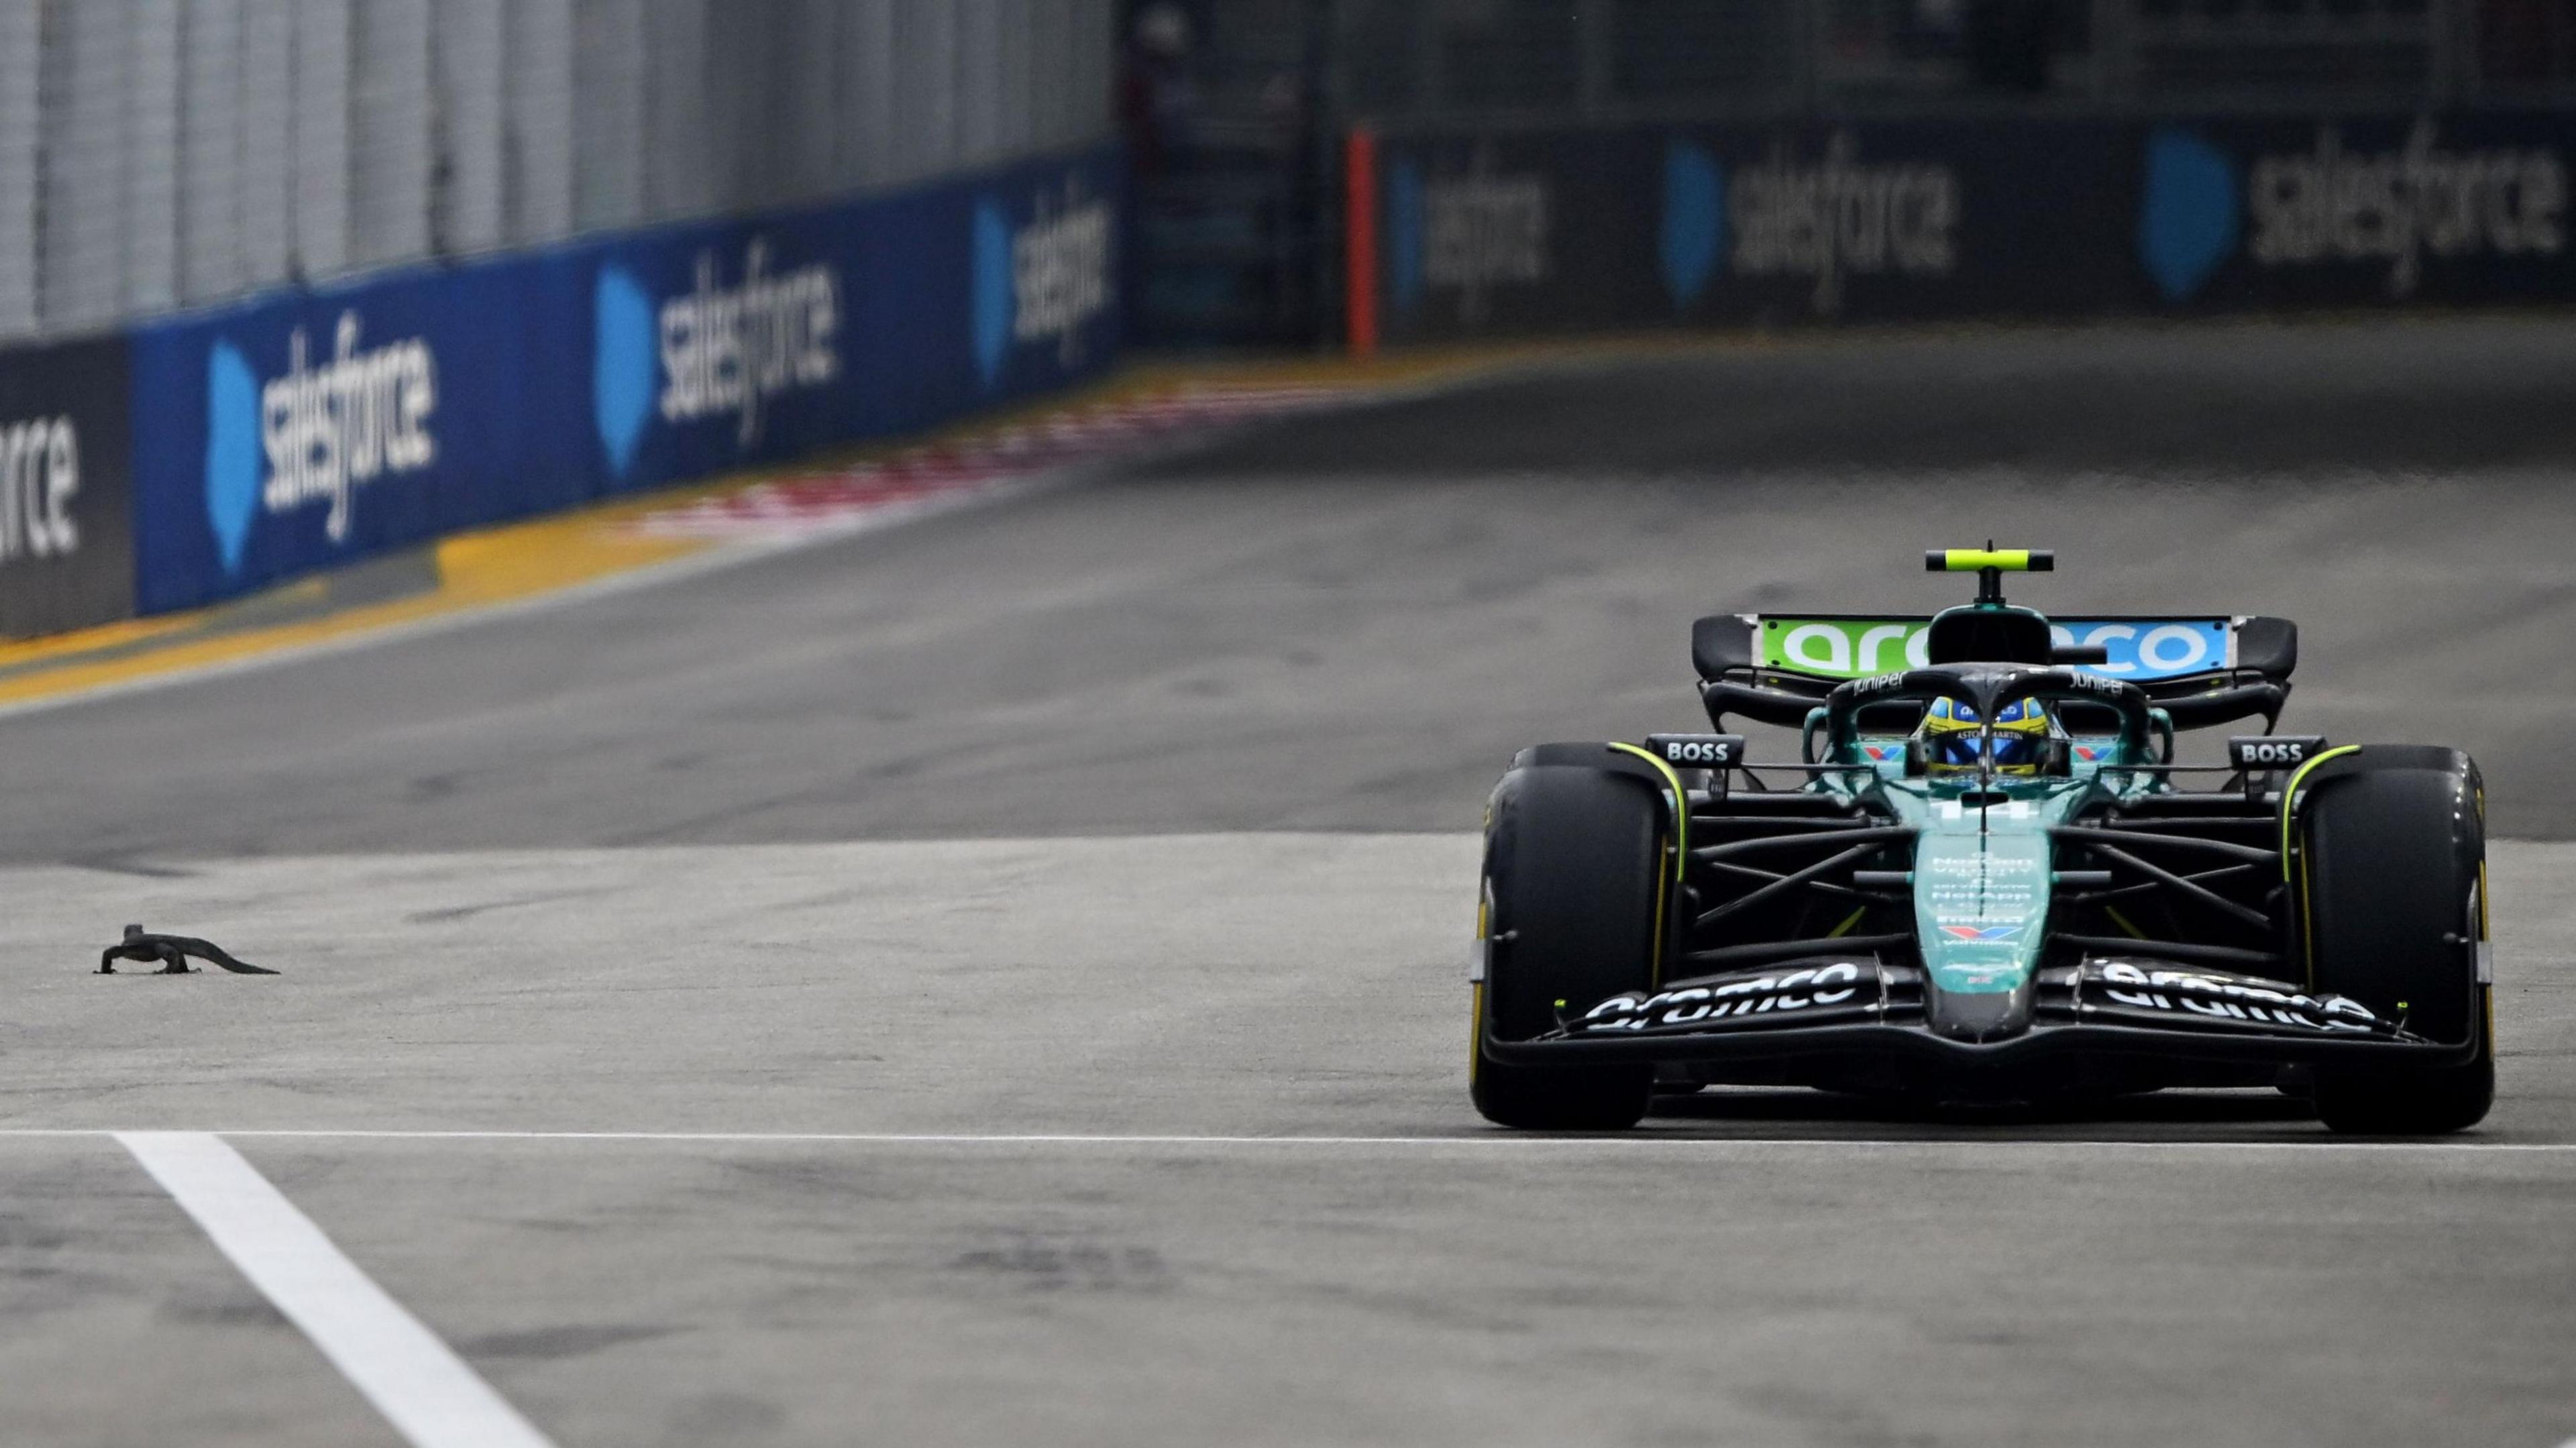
x=1465, y=234
x=193, y=458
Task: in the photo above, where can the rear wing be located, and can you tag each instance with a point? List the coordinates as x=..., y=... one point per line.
x=2201, y=669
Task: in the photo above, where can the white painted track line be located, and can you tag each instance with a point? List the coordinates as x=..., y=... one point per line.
x=429, y=1395
x=1657, y=1140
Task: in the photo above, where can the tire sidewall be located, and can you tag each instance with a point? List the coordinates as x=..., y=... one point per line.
x=2389, y=875
x=1576, y=879
x=2391, y=890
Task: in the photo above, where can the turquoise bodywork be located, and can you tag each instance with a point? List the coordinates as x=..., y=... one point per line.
x=1982, y=879
x=1983, y=864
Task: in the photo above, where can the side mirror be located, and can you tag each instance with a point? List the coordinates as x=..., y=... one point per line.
x=2079, y=654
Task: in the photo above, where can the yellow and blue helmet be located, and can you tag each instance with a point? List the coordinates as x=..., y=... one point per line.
x=1953, y=735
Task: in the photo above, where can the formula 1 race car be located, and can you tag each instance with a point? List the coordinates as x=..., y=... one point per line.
x=1985, y=878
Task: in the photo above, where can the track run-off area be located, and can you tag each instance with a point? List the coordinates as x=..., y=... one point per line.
x=1001, y=979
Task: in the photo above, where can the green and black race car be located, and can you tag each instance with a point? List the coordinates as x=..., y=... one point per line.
x=1986, y=878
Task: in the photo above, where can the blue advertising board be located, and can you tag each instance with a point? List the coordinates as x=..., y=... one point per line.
x=302, y=429
x=1720, y=224
x=1486, y=233
x=2469, y=207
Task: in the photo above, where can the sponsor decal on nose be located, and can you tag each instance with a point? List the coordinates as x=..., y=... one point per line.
x=1981, y=933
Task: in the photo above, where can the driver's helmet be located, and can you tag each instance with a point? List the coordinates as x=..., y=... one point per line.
x=1952, y=733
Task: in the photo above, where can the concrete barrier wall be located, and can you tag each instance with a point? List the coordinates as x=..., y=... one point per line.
x=66, y=487
x=306, y=427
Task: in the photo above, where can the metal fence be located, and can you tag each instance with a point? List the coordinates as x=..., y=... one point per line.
x=157, y=154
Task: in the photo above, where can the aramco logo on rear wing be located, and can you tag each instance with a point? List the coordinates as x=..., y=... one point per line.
x=1854, y=648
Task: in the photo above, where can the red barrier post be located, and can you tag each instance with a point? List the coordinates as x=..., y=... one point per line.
x=1359, y=242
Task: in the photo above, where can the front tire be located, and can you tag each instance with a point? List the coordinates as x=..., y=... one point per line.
x=2393, y=855
x=2410, y=1101
x=1574, y=870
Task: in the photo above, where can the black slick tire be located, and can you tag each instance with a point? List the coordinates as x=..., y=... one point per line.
x=1573, y=872
x=2392, y=853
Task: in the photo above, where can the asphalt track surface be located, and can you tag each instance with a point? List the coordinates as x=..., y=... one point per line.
x=1000, y=980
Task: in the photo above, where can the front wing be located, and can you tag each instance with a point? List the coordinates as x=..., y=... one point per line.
x=2110, y=1007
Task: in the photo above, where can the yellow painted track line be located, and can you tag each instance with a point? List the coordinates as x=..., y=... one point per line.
x=476, y=570
x=516, y=562
x=17, y=652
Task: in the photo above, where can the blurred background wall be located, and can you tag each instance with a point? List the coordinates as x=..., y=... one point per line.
x=218, y=217
x=162, y=154
x=1236, y=109
x=288, y=283
x=1691, y=57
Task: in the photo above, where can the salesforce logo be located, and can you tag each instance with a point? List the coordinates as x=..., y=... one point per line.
x=1470, y=233
x=717, y=350
x=1693, y=239
x=1040, y=283
x=2188, y=221
x=39, y=485
x=2330, y=203
x=2337, y=203
x=1403, y=227
x=1827, y=219
x=315, y=435
x=623, y=371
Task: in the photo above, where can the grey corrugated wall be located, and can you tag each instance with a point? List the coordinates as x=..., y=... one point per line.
x=157, y=154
